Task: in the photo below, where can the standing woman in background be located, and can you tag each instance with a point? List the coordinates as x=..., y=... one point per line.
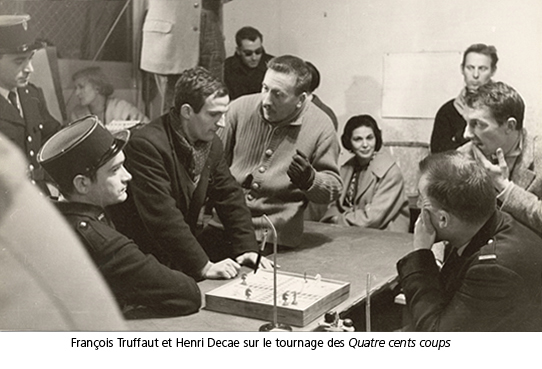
x=94, y=93
x=374, y=192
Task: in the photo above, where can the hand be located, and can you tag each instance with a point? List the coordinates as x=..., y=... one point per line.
x=301, y=172
x=424, y=232
x=331, y=220
x=250, y=258
x=225, y=269
x=498, y=173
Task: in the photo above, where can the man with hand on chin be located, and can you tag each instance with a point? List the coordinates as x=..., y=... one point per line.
x=492, y=271
x=511, y=156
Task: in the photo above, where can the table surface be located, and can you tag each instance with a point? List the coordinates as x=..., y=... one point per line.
x=335, y=252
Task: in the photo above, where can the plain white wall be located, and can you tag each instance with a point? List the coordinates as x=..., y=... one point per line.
x=346, y=40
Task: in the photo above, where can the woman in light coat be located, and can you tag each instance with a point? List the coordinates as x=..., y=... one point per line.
x=374, y=191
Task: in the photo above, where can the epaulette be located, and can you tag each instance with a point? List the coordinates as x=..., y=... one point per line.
x=488, y=252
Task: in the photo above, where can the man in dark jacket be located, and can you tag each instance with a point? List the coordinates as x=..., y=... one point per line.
x=492, y=271
x=478, y=67
x=86, y=161
x=244, y=71
x=24, y=117
x=178, y=162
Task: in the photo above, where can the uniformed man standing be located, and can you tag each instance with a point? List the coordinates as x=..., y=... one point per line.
x=86, y=162
x=24, y=117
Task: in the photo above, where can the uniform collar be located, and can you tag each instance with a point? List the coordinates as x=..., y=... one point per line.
x=79, y=208
x=483, y=236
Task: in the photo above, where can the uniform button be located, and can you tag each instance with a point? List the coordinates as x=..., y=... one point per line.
x=83, y=224
x=33, y=182
x=29, y=138
x=31, y=167
x=40, y=126
x=196, y=5
x=261, y=169
x=255, y=186
x=31, y=152
x=268, y=152
x=195, y=28
x=250, y=197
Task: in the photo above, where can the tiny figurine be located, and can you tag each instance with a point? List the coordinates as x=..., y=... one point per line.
x=244, y=279
x=248, y=293
x=294, y=302
x=285, y=297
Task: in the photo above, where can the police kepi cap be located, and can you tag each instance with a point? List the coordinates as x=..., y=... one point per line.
x=16, y=37
x=81, y=147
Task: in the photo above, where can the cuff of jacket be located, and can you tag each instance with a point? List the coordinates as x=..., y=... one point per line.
x=419, y=261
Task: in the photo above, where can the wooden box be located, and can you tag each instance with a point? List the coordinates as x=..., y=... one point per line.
x=300, y=299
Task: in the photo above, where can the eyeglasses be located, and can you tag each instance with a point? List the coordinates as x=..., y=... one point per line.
x=258, y=51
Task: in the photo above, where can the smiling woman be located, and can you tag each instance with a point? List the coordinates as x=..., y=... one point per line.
x=374, y=191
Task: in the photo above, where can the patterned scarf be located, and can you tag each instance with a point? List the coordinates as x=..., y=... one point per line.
x=192, y=157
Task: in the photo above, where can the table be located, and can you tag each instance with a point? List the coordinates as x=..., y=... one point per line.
x=335, y=252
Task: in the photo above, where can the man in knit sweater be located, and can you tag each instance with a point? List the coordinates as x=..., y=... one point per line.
x=282, y=149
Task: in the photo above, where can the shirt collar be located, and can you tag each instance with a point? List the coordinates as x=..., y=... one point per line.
x=4, y=93
x=513, y=154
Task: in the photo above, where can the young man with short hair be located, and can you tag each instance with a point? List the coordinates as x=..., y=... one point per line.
x=87, y=163
x=178, y=164
x=511, y=155
x=478, y=67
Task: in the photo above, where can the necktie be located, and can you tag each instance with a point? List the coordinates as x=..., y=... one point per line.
x=12, y=97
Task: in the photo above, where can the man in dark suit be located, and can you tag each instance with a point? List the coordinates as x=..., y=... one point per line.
x=478, y=67
x=86, y=162
x=178, y=162
x=492, y=271
x=24, y=117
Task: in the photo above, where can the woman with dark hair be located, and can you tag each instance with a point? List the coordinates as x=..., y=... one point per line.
x=374, y=192
x=94, y=93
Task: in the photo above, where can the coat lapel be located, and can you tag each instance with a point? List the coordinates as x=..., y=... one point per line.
x=347, y=170
x=365, y=182
x=179, y=170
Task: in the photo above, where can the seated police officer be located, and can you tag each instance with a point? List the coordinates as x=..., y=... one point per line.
x=86, y=162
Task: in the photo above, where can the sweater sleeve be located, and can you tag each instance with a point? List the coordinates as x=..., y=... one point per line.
x=327, y=185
